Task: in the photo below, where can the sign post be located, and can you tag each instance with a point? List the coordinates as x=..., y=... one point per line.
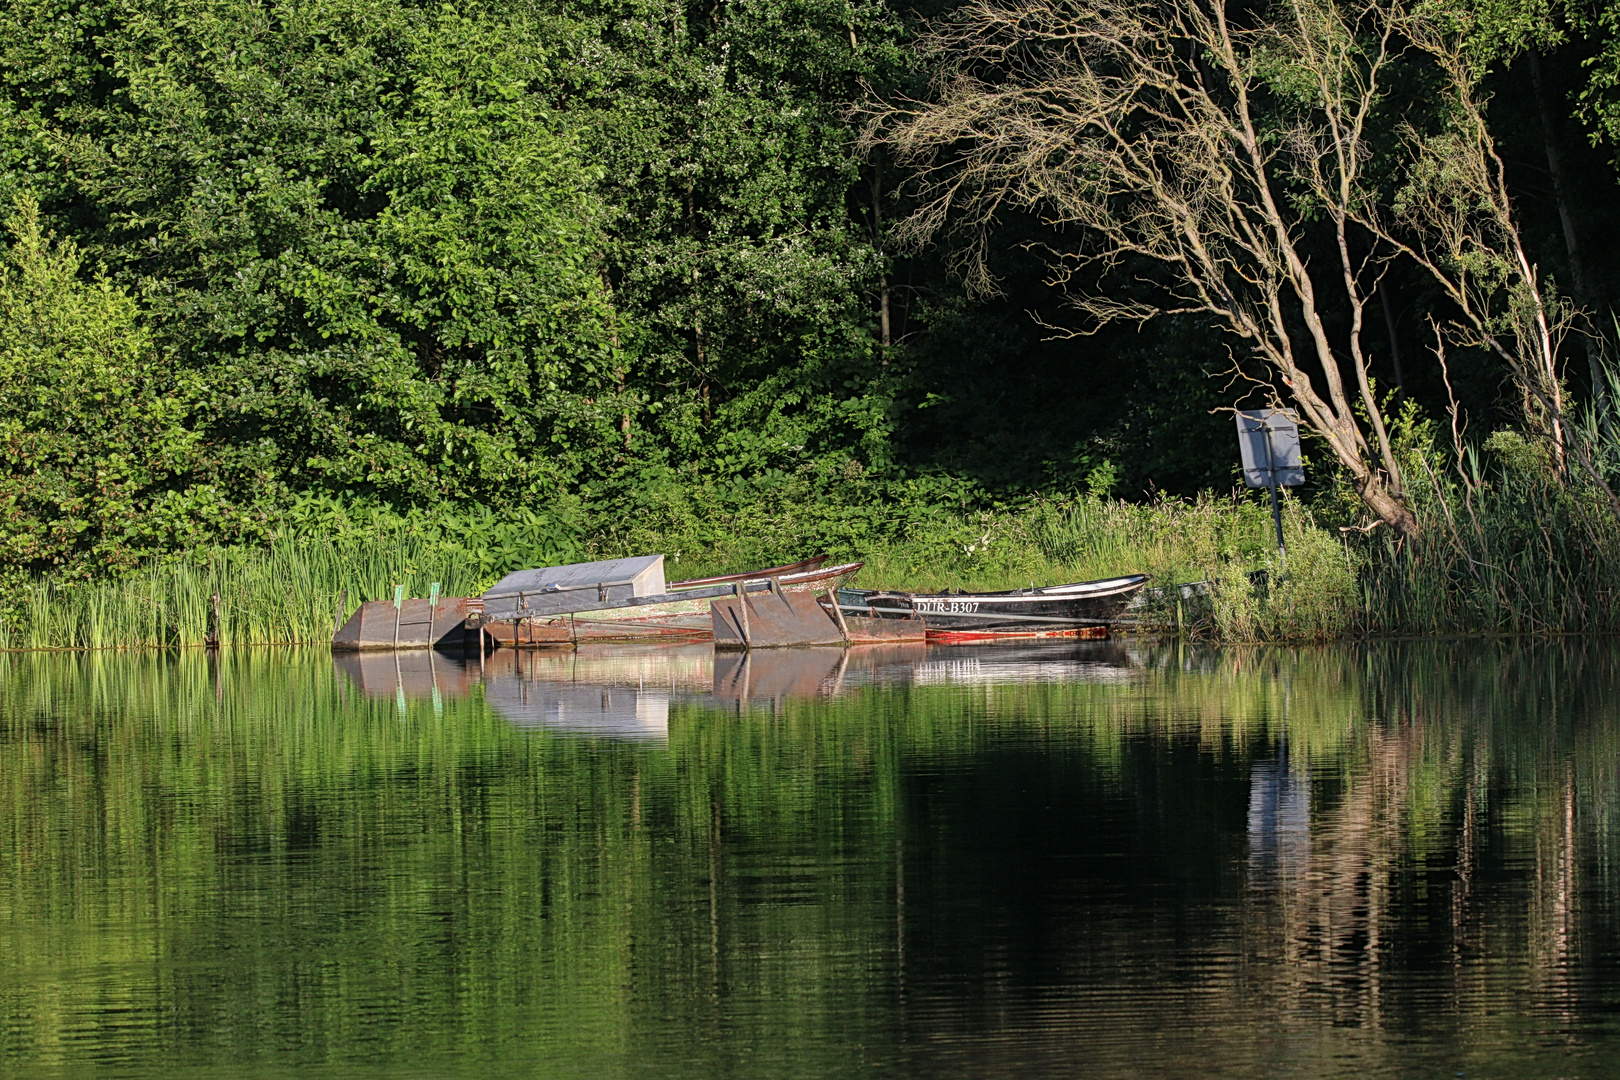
x=1269, y=442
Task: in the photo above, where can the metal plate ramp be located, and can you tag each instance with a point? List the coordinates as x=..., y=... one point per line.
x=778, y=619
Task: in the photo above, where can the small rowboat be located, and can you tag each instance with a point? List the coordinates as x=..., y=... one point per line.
x=671, y=621
x=1082, y=609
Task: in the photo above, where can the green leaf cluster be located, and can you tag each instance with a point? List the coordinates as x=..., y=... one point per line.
x=100, y=465
x=359, y=224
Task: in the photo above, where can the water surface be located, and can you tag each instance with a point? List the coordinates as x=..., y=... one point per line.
x=1082, y=860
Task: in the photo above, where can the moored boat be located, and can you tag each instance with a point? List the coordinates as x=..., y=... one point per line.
x=674, y=620
x=1081, y=609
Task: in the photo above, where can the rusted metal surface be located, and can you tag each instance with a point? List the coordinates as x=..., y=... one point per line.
x=528, y=633
x=414, y=624
x=863, y=631
x=771, y=620
x=1076, y=633
x=679, y=617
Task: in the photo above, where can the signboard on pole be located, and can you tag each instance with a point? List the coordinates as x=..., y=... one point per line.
x=1269, y=442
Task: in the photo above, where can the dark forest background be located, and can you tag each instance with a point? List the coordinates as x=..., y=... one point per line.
x=600, y=262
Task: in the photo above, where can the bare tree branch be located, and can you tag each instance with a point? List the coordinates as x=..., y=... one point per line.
x=1217, y=144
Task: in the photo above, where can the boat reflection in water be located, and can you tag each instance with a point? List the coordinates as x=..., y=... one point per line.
x=625, y=691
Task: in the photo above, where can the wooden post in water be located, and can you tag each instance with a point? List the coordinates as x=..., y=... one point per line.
x=211, y=637
x=741, y=590
x=433, y=618
x=399, y=602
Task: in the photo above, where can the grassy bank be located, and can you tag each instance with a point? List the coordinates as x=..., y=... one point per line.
x=1507, y=547
x=296, y=589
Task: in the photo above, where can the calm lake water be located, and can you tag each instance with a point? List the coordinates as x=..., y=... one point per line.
x=1072, y=861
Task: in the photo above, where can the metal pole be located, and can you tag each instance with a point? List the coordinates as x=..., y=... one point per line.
x=1276, y=517
x=1271, y=482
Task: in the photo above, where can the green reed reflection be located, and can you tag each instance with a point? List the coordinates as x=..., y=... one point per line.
x=258, y=859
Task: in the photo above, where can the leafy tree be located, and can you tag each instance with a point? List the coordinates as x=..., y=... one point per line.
x=737, y=250
x=100, y=467
x=1236, y=156
x=358, y=220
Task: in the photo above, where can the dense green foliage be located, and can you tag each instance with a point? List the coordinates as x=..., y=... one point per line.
x=357, y=224
x=92, y=420
x=592, y=276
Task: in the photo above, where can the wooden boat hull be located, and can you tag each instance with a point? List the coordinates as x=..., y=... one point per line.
x=1022, y=613
x=785, y=570
x=675, y=621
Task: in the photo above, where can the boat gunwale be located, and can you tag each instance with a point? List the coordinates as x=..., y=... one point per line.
x=809, y=565
x=1127, y=583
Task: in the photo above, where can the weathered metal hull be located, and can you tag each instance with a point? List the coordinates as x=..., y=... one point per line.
x=780, y=619
x=415, y=624
x=1024, y=612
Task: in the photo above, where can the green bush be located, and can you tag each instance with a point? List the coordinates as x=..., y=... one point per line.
x=100, y=468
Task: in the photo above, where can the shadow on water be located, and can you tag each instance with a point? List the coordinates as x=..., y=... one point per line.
x=1089, y=859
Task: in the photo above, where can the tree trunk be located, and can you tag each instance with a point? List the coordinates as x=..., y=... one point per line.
x=1389, y=506
x=1579, y=283
x=1390, y=510
x=1394, y=338
x=877, y=242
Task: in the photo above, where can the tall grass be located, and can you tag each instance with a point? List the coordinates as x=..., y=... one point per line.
x=1510, y=544
x=329, y=556
x=287, y=593
x=1218, y=542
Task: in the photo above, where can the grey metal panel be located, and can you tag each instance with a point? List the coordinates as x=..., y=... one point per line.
x=1269, y=442
x=772, y=620
x=415, y=624
x=558, y=590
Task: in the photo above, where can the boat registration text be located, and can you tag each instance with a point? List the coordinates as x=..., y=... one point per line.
x=948, y=607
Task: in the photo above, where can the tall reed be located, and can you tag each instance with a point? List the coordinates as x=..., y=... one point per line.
x=293, y=591
x=1511, y=544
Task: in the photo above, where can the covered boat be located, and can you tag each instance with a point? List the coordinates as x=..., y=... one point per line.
x=1081, y=609
x=673, y=617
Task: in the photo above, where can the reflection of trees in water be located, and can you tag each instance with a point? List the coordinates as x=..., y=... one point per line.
x=1453, y=834
x=1437, y=807
x=1323, y=935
